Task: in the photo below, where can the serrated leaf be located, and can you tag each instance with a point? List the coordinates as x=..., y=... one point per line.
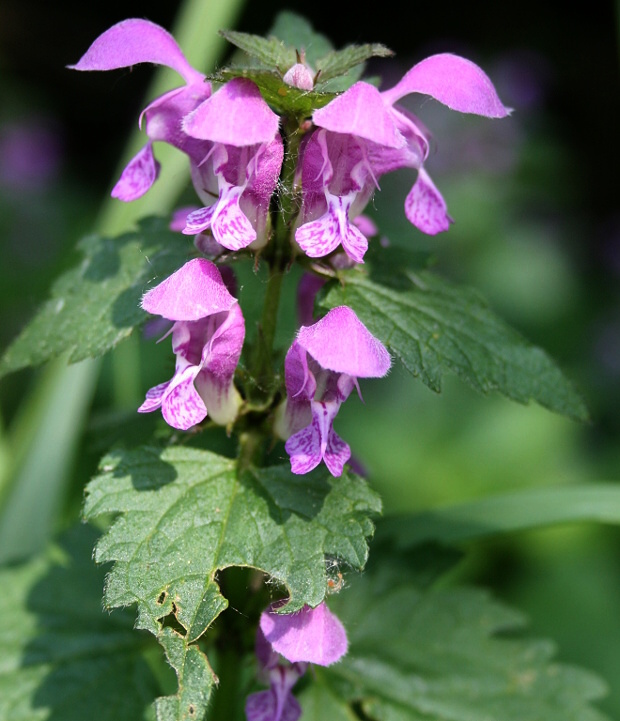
x=340, y=62
x=187, y=513
x=271, y=53
x=434, y=327
x=450, y=654
x=63, y=658
x=283, y=98
x=97, y=304
x=296, y=32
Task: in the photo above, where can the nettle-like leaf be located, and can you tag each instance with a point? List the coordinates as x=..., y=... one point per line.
x=188, y=513
x=340, y=62
x=443, y=654
x=269, y=52
x=434, y=327
x=270, y=58
x=63, y=658
x=298, y=33
x=97, y=304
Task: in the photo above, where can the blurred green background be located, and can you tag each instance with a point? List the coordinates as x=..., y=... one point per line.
x=537, y=231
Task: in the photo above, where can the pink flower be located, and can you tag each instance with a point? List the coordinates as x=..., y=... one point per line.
x=207, y=337
x=230, y=137
x=311, y=635
x=140, y=41
x=362, y=134
x=321, y=369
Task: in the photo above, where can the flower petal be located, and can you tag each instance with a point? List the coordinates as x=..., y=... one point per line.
x=219, y=362
x=304, y=450
x=139, y=175
x=153, y=398
x=341, y=342
x=455, y=82
x=313, y=635
x=136, y=41
x=229, y=224
x=198, y=220
x=337, y=453
x=266, y=706
x=235, y=115
x=182, y=407
x=425, y=206
x=195, y=291
x=319, y=237
x=360, y=111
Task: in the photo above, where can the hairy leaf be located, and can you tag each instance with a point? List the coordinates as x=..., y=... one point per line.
x=188, y=513
x=433, y=327
x=339, y=62
x=97, y=304
x=63, y=658
x=298, y=33
x=447, y=654
x=271, y=53
x=269, y=58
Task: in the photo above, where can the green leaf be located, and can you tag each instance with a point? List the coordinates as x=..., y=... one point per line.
x=449, y=654
x=340, y=62
x=339, y=69
x=188, y=513
x=506, y=513
x=296, y=32
x=271, y=53
x=97, y=304
x=63, y=658
x=435, y=327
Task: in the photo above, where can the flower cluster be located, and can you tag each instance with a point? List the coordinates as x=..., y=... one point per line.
x=235, y=143
x=235, y=149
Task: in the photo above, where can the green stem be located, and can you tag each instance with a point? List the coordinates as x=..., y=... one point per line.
x=278, y=256
x=228, y=698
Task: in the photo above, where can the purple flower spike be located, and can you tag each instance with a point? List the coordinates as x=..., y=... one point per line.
x=321, y=369
x=312, y=635
x=207, y=338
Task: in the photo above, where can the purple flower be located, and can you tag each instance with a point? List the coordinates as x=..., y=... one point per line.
x=311, y=635
x=321, y=369
x=241, y=168
x=207, y=338
x=139, y=41
x=230, y=137
x=362, y=134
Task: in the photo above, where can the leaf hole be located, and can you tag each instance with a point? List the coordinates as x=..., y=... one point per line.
x=171, y=621
x=161, y=598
